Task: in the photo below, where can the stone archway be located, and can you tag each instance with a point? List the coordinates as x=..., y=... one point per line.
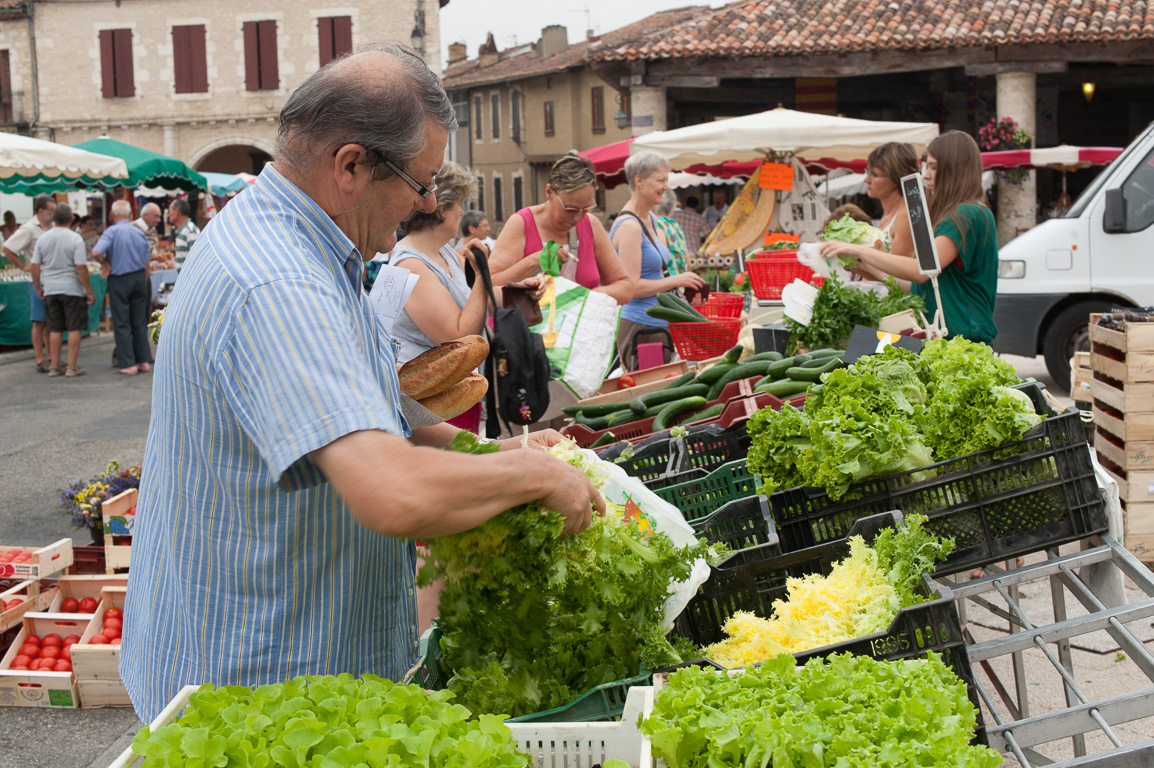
x=233, y=155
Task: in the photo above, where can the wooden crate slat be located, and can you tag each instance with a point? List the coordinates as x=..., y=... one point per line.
x=102, y=693
x=1132, y=397
x=1139, y=539
x=1134, y=428
x=1138, y=337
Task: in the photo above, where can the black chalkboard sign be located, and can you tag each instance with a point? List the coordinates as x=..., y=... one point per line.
x=921, y=227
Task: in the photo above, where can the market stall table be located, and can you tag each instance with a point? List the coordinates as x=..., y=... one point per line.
x=15, y=317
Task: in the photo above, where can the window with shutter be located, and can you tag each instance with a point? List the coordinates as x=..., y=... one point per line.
x=548, y=118
x=480, y=193
x=515, y=133
x=498, y=203
x=495, y=109
x=5, y=89
x=477, y=117
x=597, y=108
x=335, y=37
x=261, y=71
x=189, y=58
x=518, y=195
x=117, y=79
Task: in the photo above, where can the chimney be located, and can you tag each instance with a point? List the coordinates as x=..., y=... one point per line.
x=487, y=54
x=457, y=52
x=554, y=40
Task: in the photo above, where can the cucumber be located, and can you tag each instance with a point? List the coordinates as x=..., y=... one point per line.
x=621, y=417
x=817, y=362
x=798, y=373
x=605, y=439
x=828, y=352
x=742, y=371
x=771, y=357
x=673, y=301
x=733, y=355
x=673, y=315
x=684, y=405
x=640, y=403
x=593, y=411
x=783, y=388
x=778, y=369
x=682, y=380
x=714, y=373
x=708, y=413
x=593, y=424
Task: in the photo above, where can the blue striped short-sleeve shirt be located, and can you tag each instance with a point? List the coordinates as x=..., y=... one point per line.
x=247, y=568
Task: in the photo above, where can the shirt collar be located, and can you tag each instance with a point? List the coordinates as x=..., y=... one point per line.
x=272, y=183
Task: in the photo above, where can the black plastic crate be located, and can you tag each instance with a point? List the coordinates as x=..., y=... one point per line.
x=699, y=498
x=711, y=447
x=650, y=461
x=741, y=524
x=675, y=478
x=996, y=504
x=753, y=578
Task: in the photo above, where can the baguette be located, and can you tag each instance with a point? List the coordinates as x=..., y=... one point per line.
x=436, y=370
x=458, y=398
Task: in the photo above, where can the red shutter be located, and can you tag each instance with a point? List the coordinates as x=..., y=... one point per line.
x=122, y=47
x=251, y=57
x=198, y=58
x=325, y=39
x=269, y=74
x=107, y=65
x=342, y=35
x=181, y=60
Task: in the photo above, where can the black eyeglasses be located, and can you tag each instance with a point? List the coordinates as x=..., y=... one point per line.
x=417, y=186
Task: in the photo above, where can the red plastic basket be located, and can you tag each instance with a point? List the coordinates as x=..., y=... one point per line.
x=723, y=306
x=701, y=341
x=770, y=275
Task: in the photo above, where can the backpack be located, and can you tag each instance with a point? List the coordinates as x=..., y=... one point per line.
x=517, y=367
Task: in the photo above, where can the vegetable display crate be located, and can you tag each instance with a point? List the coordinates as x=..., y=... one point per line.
x=710, y=448
x=723, y=306
x=20, y=688
x=40, y=561
x=701, y=341
x=698, y=499
x=30, y=596
x=602, y=703
x=741, y=524
x=1127, y=355
x=752, y=579
x=651, y=461
x=572, y=744
x=88, y=559
x=770, y=274
x=996, y=504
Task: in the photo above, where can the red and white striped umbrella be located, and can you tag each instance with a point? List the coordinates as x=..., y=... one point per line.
x=1064, y=158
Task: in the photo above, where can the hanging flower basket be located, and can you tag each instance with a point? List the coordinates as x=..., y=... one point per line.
x=1005, y=134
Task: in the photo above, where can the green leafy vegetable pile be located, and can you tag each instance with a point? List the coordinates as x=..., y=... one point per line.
x=531, y=619
x=844, y=711
x=888, y=413
x=328, y=721
x=847, y=229
x=838, y=308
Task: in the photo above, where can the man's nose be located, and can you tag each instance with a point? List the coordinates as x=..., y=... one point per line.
x=427, y=204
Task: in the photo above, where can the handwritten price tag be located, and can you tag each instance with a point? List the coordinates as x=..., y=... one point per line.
x=779, y=237
x=776, y=176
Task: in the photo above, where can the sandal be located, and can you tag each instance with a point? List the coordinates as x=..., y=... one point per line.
x=43, y=366
x=74, y=371
x=53, y=371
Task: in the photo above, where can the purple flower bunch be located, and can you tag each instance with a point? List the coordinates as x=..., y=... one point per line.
x=83, y=499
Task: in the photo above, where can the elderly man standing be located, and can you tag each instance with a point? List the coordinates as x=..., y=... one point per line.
x=19, y=249
x=123, y=253
x=282, y=486
x=184, y=229
x=60, y=277
x=149, y=218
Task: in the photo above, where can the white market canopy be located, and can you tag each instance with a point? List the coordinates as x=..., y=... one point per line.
x=31, y=165
x=754, y=137
x=683, y=180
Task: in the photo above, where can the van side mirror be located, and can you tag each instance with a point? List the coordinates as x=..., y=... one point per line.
x=1114, y=220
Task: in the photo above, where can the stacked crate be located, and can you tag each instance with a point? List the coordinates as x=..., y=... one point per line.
x=1123, y=392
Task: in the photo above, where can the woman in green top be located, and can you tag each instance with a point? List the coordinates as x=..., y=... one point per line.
x=966, y=237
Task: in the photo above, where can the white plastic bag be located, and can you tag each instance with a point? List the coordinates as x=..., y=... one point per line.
x=585, y=324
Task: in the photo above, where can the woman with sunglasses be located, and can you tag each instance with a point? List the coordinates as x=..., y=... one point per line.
x=569, y=199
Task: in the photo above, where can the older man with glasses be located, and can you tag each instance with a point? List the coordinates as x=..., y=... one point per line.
x=283, y=487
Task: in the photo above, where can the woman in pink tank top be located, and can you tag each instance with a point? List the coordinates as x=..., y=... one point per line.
x=569, y=196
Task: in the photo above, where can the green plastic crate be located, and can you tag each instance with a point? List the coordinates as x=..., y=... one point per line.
x=699, y=498
x=600, y=704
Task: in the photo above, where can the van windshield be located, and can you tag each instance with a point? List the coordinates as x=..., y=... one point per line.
x=1089, y=193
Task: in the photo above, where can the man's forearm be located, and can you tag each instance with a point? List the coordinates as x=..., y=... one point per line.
x=16, y=261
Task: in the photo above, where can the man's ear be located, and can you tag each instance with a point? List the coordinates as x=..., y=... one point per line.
x=350, y=169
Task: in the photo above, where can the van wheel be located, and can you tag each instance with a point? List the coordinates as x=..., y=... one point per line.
x=1067, y=334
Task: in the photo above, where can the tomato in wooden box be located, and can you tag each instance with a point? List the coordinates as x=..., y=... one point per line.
x=35, y=562
x=28, y=688
x=97, y=660
x=20, y=598
x=79, y=587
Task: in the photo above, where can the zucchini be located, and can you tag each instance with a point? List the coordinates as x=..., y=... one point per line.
x=673, y=315
x=684, y=405
x=682, y=380
x=708, y=413
x=714, y=373
x=778, y=369
x=605, y=439
x=783, y=388
x=673, y=301
x=818, y=362
x=593, y=411
x=798, y=373
x=742, y=371
x=828, y=352
x=771, y=357
x=640, y=403
x=733, y=355
x=593, y=424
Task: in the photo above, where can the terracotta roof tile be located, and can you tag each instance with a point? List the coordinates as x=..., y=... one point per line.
x=469, y=73
x=790, y=27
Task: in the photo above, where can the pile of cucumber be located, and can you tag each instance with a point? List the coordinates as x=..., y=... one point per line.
x=689, y=395
x=674, y=309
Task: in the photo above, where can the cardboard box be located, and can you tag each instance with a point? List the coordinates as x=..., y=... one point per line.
x=39, y=689
x=45, y=561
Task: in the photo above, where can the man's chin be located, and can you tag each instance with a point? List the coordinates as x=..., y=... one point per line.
x=385, y=246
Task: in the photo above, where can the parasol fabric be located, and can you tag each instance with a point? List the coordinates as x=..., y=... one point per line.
x=1063, y=158
x=33, y=166
x=149, y=169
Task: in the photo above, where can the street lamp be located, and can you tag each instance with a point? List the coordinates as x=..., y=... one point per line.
x=621, y=118
x=1088, y=91
x=417, y=36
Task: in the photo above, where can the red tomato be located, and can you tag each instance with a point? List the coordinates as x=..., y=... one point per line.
x=50, y=652
x=22, y=660
x=14, y=551
x=71, y=640
x=113, y=613
x=66, y=653
x=12, y=603
x=70, y=605
x=625, y=382
x=88, y=605
x=110, y=632
x=112, y=624
x=6, y=558
x=40, y=664
x=20, y=667
x=115, y=641
x=98, y=639
x=672, y=375
x=34, y=639
x=62, y=666
x=30, y=650
x=52, y=639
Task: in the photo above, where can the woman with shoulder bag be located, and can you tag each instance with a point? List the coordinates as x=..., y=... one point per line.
x=645, y=255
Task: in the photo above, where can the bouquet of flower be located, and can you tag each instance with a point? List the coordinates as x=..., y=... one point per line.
x=82, y=500
x=1002, y=135
x=154, y=326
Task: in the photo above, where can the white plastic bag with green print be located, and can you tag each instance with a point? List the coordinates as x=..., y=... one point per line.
x=583, y=327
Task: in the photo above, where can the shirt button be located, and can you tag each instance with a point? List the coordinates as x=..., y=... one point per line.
x=410, y=591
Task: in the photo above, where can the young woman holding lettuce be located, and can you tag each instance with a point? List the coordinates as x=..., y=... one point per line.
x=966, y=237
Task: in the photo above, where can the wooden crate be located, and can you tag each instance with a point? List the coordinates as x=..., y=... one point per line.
x=45, y=560
x=1080, y=376
x=98, y=662
x=32, y=598
x=82, y=586
x=38, y=689
x=1127, y=397
x=1133, y=487
x=95, y=694
x=1128, y=427
x=1130, y=456
x=119, y=520
x=1126, y=356
x=1139, y=526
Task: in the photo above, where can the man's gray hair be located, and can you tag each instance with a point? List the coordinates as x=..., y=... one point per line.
x=150, y=208
x=40, y=202
x=668, y=203
x=643, y=165
x=337, y=106
x=181, y=206
x=62, y=216
x=470, y=219
x=121, y=209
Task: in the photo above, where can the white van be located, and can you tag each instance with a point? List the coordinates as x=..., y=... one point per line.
x=1098, y=255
